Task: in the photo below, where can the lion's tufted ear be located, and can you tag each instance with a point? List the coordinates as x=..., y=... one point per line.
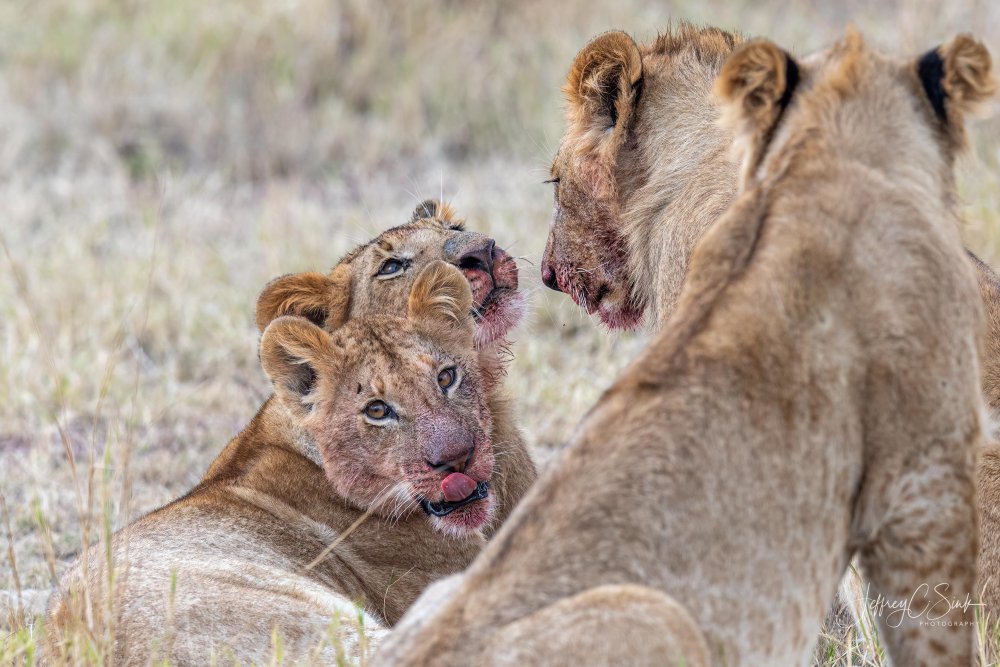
x=293, y=351
x=756, y=84
x=438, y=210
x=604, y=82
x=323, y=300
x=441, y=303
x=956, y=78
x=754, y=87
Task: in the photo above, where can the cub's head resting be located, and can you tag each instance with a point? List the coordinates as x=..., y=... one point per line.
x=396, y=404
x=377, y=277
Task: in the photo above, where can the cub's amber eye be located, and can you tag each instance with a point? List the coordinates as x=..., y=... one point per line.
x=378, y=410
x=447, y=377
x=391, y=266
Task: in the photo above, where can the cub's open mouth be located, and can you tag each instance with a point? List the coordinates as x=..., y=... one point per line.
x=444, y=507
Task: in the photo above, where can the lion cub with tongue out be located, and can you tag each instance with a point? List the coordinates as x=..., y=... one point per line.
x=386, y=490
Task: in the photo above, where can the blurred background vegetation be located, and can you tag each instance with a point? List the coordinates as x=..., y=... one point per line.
x=257, y=90
x=160, y=160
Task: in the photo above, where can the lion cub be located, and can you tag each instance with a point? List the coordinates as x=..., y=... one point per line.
x=385, y=491
x=810, y=399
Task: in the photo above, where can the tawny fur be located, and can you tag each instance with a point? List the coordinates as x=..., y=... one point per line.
x=669, y=175
x=239, y=541
x=988, y=466
x=801, y=405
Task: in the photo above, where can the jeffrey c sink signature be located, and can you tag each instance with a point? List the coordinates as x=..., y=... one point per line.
x=926, y=603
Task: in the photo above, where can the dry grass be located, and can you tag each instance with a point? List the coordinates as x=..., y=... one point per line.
x=161, y=160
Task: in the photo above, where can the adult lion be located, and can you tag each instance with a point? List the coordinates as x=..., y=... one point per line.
x=801, y=405
x=644, y=169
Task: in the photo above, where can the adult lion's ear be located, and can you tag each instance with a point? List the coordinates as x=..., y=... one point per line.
x=438, y=210
x=323, y=300
x=293, y=351
x=604, y=82
x=957, y=77
x=441, y=303
x=755, y=85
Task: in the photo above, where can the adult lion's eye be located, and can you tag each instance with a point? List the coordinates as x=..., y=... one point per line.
x=447, y=377
x=391, y=266
x=378, y=410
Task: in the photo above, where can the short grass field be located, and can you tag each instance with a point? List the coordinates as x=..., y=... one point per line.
x=161, y=160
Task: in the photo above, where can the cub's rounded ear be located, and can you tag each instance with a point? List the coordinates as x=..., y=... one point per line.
x=439, y=210
x=293, y=351
x=425, y=209
x=604, y=82
x=441, y=302
x=323, y=300
x=957, y=77
x=756, y=84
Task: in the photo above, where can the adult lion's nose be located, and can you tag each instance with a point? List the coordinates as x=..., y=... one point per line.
x=549, y=277
x=549, y=265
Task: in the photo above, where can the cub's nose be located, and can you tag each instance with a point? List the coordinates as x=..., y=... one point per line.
x=549, y=277
x=454, y=459
x=479, y=258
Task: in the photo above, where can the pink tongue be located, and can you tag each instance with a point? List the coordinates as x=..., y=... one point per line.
x=457, y=486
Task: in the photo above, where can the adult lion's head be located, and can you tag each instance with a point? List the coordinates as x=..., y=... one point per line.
x=642, y=169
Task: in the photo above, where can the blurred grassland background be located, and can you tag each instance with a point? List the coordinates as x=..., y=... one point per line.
x=161, y=160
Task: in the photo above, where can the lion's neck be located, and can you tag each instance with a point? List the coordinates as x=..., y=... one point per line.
x=304, y=444
x=666, y=217
x=270, y=427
